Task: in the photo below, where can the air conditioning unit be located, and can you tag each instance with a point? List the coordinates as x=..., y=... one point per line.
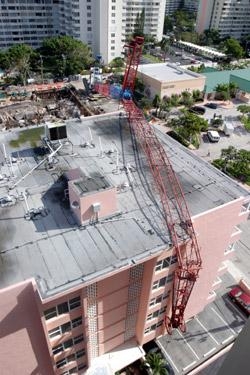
x=55, y=131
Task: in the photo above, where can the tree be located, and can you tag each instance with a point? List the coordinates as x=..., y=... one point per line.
x=210, y=37
x=168, y=25
x=64, y=55
x=187, y=99
x=165, y=46
x=235, y=163
x=117, y=62
x=243, y=108
x=233, y=48
x=157, y=364
x=139, y=23
x=197, y=95
x=156, y=101
x=174, y=99
x=233, y=87
x=188, y=125
x=223, y=92
x=19, y=56
x=4, y=60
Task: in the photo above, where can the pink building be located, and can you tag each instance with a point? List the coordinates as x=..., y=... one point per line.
x=89, y=280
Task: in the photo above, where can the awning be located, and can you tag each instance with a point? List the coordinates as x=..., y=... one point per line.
x=120, y=357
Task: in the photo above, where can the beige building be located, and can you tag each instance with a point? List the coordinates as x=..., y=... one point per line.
x=167, y=79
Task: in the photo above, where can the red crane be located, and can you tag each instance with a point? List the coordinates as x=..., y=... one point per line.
x=176, y=214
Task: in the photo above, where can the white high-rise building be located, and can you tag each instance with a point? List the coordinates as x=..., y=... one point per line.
x=103, y=24
x=229, y=17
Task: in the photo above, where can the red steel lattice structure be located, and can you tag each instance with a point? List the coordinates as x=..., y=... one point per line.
x=177, y=217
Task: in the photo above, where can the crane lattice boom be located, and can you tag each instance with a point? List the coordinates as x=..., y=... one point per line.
x=176, y=214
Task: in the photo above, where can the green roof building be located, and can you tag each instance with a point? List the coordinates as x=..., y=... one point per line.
x=239, y=76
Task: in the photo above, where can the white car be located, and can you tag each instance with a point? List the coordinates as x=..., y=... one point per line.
x=213, y=135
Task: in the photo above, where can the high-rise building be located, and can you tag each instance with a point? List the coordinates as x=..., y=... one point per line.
x=86, y=260
x=27, y=21
x=173, y=5
x=103, y=24
x=229, y=17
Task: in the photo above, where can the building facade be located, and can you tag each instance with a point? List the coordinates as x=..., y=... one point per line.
x=230, y=18
x=28, y=22
x=89, y=282
x=173, y=5
x=103, y=24
x=166, y=79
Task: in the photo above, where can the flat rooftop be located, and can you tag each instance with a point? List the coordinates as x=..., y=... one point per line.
x=57, y=252
x=166, y=72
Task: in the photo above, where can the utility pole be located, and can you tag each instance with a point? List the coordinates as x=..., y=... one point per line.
x=64, y=64
x=41, y=66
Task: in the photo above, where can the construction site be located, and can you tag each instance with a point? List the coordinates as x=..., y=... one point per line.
x=36, y=104
x=109, y=233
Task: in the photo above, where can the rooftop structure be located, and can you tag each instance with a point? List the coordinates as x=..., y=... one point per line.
x=205, y=188
x=203, y=50
x=166, y=79
x=99, y=266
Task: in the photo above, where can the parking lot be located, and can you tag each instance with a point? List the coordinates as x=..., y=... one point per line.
x=239, y=139
x=212, y=330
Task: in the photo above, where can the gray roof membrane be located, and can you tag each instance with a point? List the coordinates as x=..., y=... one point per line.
x=53, y=248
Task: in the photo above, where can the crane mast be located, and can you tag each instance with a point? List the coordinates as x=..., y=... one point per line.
x=175, y=211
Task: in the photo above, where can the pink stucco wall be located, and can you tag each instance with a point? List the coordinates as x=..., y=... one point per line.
x=112, y=309
x=23, y=349
x=107, y=199
x=214, y=233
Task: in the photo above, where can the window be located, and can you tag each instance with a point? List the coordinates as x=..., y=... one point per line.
x=76, y=322
x=57, y=349
x=164, y=263
x=65, y=327
x=62, y=308
x=61, y=363
x=67, y=344
x=78, y=339
x=81, y=366
x=54, y=332
x=89, y=28
x=50, y=313
x=80, y=353
x=160, y=283
x=88, y=7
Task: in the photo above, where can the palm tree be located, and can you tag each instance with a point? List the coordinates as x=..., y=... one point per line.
x=157, y=364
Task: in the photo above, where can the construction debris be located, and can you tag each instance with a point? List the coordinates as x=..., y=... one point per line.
x=21, y=108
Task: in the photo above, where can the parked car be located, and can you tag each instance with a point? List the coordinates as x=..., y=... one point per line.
x=198, y=109
x=211, y=105
x=213, y=136
x=241, y=299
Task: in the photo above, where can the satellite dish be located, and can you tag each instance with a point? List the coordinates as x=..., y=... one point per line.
x=75, y=205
